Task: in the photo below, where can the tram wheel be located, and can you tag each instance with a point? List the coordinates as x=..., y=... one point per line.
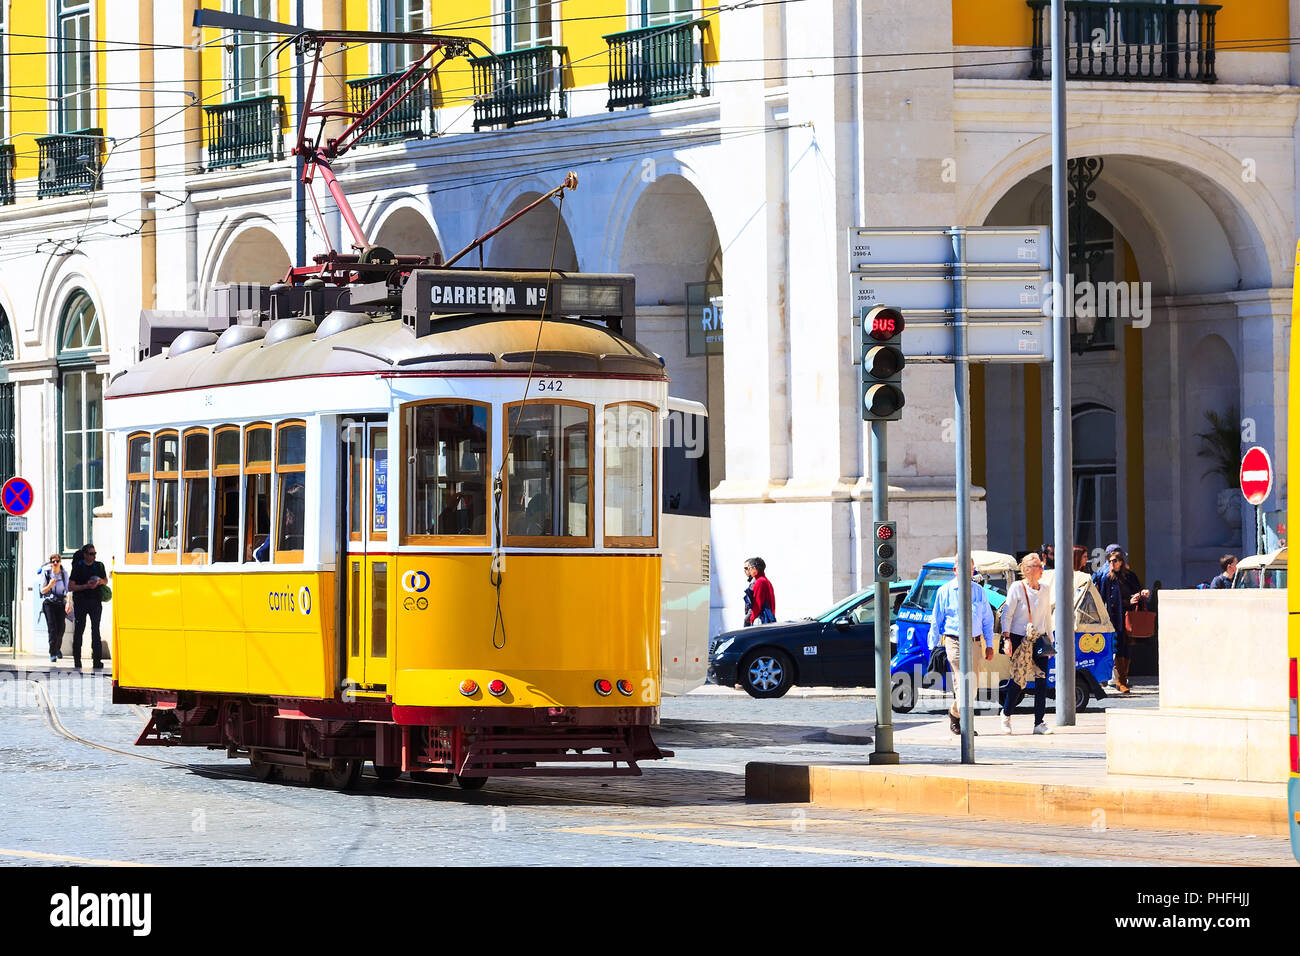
x=262, y=768
x=387, y=773
x=342, y=774
x=471, y=783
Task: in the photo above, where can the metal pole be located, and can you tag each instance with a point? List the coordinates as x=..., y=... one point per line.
x=884, y=751
x=1062, y=465
x=299, y=187
x=962, y=566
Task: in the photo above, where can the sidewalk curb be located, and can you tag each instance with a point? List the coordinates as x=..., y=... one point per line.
x=881, y=788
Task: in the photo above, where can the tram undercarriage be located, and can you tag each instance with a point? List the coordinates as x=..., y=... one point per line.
x=332, y=740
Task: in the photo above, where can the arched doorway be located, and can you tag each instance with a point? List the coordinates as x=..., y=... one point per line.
x=1173, y=260
x=528, y=242
x=671, y=245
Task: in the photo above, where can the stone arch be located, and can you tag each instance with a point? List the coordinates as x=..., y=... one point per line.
x=527, y=243
x=670, y=239
x=1254, y=227
x=246, y=250
x=639, y=181
x=61, y=284
x=405, y=226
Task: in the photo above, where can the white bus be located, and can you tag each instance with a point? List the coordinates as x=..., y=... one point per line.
x=684, y=538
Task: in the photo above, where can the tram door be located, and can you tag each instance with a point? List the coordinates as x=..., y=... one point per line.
x=369, y=566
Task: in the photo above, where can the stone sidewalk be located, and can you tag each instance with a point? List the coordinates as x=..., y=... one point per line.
x=1058, y=778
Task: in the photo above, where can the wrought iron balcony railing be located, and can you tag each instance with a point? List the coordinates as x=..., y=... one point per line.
x=69, y=162
x=520, y=85
x=246, y=131
x=411, y=119
x=1152, y=42
x=6, y=174
x=657, y=64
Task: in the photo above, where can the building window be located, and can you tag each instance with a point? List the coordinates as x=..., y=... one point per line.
x=225, y=476
x=529, y=23
x=247, y=75
x=657, y=13
x=138, y=513
x=257, y=493
x=400, y=16
x=548, y=475
x=446, y=471
x=291, y=490
x=1096, y=480
x=167, y=487
x=81, y=406
x=198, y=484
x=628, y=446
x=76, y=96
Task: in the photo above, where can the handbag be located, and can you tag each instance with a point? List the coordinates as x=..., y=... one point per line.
x=1139, y=622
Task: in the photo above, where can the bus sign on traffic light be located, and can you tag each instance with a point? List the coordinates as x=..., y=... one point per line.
x=882, y=364
x=885, y=551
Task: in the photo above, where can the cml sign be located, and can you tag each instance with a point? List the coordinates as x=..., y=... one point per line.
x=704, y=318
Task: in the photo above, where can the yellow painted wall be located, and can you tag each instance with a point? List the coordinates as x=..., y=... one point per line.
x=212, y=86
x=26, y=114
x=1003, y=23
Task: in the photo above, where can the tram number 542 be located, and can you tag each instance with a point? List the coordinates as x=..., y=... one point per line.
x=550, y=385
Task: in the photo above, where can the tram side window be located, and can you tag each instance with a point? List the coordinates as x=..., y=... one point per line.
x=166, y=475
x=225, y=473
x=138, y=470
x=629, y=450
x=446, y=469
x=548, y=473
x=194, y=535
x=291, y=490
x=686, y=465
x=257, y=493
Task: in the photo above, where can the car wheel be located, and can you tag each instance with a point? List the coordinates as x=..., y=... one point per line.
x=902, y=692
x=766, y=673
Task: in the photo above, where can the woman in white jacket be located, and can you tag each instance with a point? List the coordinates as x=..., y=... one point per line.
x=1028, y=602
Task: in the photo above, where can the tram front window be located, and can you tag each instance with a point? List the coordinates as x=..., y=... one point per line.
x=446, y=469
x=548, y=472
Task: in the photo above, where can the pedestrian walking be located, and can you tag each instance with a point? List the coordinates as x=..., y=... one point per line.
x=1228, y=567
x=1120, y=590
x=1080, y=558
x=760, y=598
x=1027, y=617
x=87, y=577
x=1047, y=555
x=53, y=583
x=945, y=626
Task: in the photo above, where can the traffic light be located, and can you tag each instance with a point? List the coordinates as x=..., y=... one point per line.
x=882, y=365
x=884, y=567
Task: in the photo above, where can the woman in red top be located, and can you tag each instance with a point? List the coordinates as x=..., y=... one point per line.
x=762, y=603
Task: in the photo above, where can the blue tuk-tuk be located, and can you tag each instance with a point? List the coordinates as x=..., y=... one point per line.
x=1094, y=635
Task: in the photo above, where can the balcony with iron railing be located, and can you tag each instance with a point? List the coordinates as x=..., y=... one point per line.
x=409, y=119
x=520, y=85
x=246, y=131
x=6, y=174
x=1124, y=40
x=69, y=162
x=657, y=64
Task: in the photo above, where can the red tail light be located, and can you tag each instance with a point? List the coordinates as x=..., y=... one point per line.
x=468, y=687
x=497, y=687
x=625, y=687
x=603, y=687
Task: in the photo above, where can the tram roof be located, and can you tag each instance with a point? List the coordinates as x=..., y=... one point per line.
x=294, y=348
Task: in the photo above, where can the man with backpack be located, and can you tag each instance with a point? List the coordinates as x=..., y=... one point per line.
x=53, y=584
x=88, y=577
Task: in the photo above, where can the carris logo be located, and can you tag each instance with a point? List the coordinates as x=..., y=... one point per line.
x=74, y=909
x=416, y=581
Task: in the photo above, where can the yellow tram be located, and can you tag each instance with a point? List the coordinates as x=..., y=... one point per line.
x=416, y=525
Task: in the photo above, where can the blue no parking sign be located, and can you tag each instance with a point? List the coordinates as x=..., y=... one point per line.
x=16, y=496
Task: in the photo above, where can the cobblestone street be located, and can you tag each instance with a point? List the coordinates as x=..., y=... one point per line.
x=71, y=802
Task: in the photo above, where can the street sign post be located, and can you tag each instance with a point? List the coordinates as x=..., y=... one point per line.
x=16, y=496
x=1256, y=485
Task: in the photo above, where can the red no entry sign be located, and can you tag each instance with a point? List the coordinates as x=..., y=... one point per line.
x=16, y=496
x=1256, y=475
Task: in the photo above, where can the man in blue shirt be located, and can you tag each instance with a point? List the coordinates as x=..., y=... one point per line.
x=944, y=625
